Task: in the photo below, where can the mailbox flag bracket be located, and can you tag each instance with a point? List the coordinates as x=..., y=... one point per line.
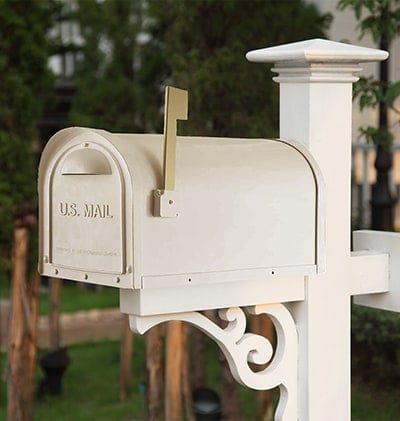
x=166, y=203
x=176, y=108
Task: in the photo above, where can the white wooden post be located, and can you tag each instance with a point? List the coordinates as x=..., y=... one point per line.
x=316, y=80
x=307, y=296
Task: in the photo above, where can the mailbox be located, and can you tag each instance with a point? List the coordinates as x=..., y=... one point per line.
x=243, y=210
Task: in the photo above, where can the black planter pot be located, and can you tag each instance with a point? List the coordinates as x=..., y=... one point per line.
x=206, y=405
x=53, y=365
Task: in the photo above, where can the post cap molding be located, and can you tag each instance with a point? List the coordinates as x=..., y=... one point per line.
x=317, y=51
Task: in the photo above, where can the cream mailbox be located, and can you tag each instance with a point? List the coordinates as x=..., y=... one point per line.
x=244, y=210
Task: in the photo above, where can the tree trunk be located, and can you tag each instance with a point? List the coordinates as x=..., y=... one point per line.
x=186, y=377
x=262, y=325
x=33, y=298
x=382, y=198
x=173, y=371
x=126, y=360
x=154, y=374
x=230, y=401
x=54, y=316
x=230, y=392
x=198, y=361
x=23, y=327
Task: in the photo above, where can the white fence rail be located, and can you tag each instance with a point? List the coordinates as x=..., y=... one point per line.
x=363, y=176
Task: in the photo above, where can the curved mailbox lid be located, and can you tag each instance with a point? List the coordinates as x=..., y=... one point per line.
x=249, y=209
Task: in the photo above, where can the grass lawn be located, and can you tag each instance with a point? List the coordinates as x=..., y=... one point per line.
x=74, y=297
x=374, y=405
x=90, y=389
x=90, y=386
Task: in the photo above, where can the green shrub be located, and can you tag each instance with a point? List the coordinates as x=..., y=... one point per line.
x=375, y=340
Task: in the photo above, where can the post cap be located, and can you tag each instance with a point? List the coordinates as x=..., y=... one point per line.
x=317, y=51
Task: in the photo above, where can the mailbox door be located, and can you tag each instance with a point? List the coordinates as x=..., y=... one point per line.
x=84, y=218
x=87, y=205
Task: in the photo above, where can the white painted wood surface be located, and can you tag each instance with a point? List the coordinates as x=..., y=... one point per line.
x=369, y=271
x=315, y=80
x=386, y=242
x=241, y=348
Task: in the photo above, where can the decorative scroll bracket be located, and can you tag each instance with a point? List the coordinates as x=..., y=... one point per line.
x=240, y=348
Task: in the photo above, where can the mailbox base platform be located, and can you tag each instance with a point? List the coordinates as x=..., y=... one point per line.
x=153, y=301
